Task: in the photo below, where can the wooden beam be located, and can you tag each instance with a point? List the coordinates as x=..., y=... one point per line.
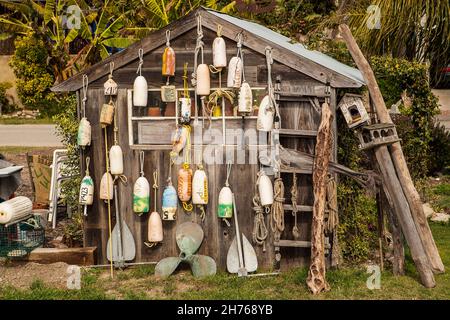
x=298, y=133
x=75, y=256
x=398, y=158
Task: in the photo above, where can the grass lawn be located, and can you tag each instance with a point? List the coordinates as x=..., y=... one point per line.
x=346, y=283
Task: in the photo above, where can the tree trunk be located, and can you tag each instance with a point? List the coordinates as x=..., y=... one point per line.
x=398, y=158
x=316, y=276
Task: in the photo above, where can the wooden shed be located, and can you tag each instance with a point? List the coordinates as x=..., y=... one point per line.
x=303, y=80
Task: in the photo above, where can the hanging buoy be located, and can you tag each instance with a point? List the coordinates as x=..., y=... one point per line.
x=234, y=77
x=203, y=87
x=200, y=187
x=265, y=189
x=179, y=138
x=169, y=202
x=116, y=160
x=107, y=114
x=14, y=210
x=185, y=184
x=185, y=110
x=110, y=86
x=84, y=133
x=140, y=88
x=106, y=187
x=225, y=209
x=265, y=115
x=140, y=92
x=86, y=197
x=141, y=190
x=245, y=98
x=219, y=50
x=168, y=66
x=155, y=229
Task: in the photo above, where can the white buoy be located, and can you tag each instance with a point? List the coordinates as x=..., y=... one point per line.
x=169, y=202
x=234, y=76
x=200, y=187
x=265, y=189
x=84, y=133
x=140, y=92
x=106, y=187
x=155, y=228
x=116, y=160
x=86, y=197
x=265, y=115
x=141, y=190
x=245, y=98
x=225, y=208
x=203, y=86
x=15, y=210
x=219, y=53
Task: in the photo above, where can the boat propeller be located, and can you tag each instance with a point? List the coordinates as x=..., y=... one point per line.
x=189, y=238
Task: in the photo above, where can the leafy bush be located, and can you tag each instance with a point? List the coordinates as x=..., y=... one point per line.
x=394, y=77
x=6, y=106
x=34, y=76
x=439, y=149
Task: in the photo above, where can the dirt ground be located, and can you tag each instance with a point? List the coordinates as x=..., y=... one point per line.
x=23, y=275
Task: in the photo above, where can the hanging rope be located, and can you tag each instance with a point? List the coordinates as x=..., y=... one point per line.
x=240, y=54
x=120, y=177
x=185, y=81
x=111, y=69
x=294, y=191
x=141, y=61
x=141, y=162
x=84, y=91
x=270, y=87
x=155, y=190
x=188, y=207
x=332, y=205
x=277, y=222
x=108, y=201
x=260, y=231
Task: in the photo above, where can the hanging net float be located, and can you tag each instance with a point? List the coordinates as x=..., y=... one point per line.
x=110, y=86
x=225, y=206
x=141, y=190
x=265, y=115
x=106, y=187
x=86, y=197
x=140, y=87
x=245, y=98
x=219, y=49
x=169, y=202
x=107, y=114
x=116, y=159
x=168, y=58
x=84, y=128
x=265, y=189
x=155, y=228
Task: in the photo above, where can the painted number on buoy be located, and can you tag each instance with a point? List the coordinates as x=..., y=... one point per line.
x=74, y=278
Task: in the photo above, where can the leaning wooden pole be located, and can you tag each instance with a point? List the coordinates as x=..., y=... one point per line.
x=420, y=248
x=316, y=280
x=398, y=158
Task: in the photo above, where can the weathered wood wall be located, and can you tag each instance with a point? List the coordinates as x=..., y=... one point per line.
x=218, y=237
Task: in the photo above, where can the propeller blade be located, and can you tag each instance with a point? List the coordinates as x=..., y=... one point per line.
x=167, y=266
x=202, y=266
x=189, y=237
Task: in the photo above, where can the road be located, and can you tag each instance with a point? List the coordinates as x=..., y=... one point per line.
x=29, y=135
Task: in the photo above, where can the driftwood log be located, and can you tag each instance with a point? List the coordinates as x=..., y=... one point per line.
x=421, y=250
x=316, y=280
x=401, y=168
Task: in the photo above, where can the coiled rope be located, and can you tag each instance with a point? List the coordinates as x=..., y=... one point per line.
x=277, y=222
x=260, y=231
x=294, y=191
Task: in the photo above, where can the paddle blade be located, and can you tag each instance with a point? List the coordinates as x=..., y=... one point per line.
x=114, y=241
x=250, y=259
x=128, y=245
x=167, y=266
x=202, y=266
x=189, y=237
x=233, y=257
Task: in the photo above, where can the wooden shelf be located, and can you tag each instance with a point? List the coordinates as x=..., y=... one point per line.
x=300, y=171
x=296, y=244
x=300, y=208
x=298, y=133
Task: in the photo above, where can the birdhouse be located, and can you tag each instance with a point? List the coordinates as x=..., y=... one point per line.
x=353, y=109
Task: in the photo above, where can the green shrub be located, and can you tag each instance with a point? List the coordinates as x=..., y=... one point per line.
x=34, y=76
x=439, y=149
x=6, y=106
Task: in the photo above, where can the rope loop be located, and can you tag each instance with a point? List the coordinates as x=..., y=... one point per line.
x=84, y=90
x=168, y=38
x=111, y=69
x=141, y=61
x=88, y=161
x=141, y=162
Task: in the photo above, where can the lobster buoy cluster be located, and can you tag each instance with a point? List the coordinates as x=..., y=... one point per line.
x=15, y=210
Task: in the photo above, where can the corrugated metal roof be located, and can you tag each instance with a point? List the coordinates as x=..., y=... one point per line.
x=296, y=48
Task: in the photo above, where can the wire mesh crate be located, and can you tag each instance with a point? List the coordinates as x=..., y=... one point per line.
x=21, y=238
